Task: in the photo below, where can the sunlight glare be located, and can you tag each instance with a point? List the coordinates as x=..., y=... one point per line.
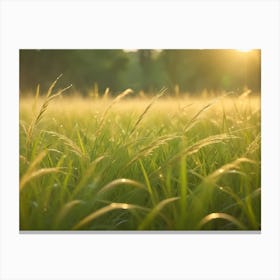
x=244, y=50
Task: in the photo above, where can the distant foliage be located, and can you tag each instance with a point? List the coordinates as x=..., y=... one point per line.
x=148, y=70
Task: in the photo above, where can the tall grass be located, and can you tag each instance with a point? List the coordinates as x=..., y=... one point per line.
x=139, y=164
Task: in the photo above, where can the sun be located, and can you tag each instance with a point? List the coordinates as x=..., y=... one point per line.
x=244, y=50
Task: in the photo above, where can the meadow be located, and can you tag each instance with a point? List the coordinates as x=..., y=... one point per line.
x=140, y=163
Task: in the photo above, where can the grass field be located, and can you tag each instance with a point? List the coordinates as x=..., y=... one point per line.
x=140, y=163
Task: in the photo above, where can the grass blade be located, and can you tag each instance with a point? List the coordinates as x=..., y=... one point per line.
x=69, y=143
x=155, y=211
x=65, y=210
x=197, y=146
x=119, y=182
x=223, y=216
x=113, y=206
x=213, y=177
x=37, y=173
x=183, y=188
x=146, y=110
x=116, y=100
x=150, y=189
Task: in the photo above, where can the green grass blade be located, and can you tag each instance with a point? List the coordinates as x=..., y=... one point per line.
x=223, y=216
x=119, y=182
x=148, y=184
x=183, y=188
x=155, y=211
x=113, y=206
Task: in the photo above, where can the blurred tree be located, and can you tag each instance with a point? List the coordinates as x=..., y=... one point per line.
x=145, y=59
x=148, y=70
x=82, y=68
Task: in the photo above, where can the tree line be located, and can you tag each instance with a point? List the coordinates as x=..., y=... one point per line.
x=148, y=70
